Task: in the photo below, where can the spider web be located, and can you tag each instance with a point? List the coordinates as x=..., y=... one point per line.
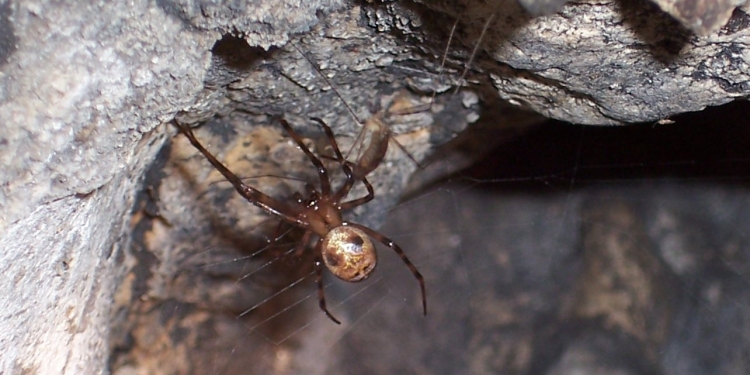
x=623, y=250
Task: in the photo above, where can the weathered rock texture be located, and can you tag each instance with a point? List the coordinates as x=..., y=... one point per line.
x=88, y=90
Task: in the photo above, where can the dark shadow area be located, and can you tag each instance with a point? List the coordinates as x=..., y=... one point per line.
x=712, y=146
x=233, y=59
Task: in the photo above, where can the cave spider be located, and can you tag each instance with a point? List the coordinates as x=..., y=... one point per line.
x=344, y=247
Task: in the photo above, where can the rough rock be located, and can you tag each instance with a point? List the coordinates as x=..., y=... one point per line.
x=88, y=92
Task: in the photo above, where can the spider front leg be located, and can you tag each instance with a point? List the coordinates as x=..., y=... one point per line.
x=265, y=202
x=325, y=182
x=348, y=168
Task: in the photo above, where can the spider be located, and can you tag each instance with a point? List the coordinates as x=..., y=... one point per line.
x=344, y=247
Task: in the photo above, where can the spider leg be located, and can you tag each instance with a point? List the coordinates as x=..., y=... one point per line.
x=254, y=196
x=319, y=281
x=344, y=190
x=405, y=151
x=348, y=170
x=300, y=247
x=278, y=234
x=331, y=138
x=388, y=242
x=325, y=183
x=360, y=201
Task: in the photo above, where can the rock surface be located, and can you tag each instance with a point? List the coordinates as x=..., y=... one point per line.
x=88, y=92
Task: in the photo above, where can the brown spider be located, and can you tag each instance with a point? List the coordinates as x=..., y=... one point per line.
x=344, y=247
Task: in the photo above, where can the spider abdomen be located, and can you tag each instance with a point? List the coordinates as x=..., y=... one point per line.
x=349, y=253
